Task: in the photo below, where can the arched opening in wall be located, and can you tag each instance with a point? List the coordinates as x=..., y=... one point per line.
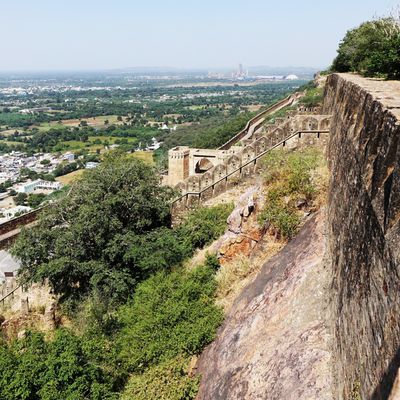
x=203, y=165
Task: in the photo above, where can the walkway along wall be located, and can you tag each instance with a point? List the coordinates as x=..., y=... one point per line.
x=258, y=120
x=364, y=232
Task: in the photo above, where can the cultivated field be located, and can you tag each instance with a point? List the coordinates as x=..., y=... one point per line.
x=146, y=156
x=67, y=179
x=95, y=122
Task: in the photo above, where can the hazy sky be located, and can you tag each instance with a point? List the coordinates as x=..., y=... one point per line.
x=102, y=34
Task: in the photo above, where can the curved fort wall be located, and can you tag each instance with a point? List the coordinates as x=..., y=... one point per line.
x=231, y=165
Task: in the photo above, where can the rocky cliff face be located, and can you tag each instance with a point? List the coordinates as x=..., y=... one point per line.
x=364, y=232
x=275, y=341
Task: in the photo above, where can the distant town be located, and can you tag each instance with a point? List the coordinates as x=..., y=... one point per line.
x=55, y=126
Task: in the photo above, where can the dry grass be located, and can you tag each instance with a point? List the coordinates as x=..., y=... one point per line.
x=199, y=257
x=320, y=178
x=233, y=276
x=146, y=156
x=254, y=107
x=68, y=178
x=95, y=122
x=9, y=132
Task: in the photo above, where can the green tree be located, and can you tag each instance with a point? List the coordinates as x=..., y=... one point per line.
x=78, y=249
x=21, y=199
x=171, y=314
x=372, y=49
x=35, y=199
x=28, y=173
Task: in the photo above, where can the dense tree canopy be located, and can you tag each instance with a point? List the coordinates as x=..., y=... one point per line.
x=85, y=240
x=372, y=49
x=33, y=368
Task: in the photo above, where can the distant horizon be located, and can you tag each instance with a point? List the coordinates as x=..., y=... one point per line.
x=166, y=68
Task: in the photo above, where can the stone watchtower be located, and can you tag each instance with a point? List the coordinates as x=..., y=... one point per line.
x=178, y=164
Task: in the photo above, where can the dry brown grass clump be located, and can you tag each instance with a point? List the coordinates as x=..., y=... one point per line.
x=234, y=275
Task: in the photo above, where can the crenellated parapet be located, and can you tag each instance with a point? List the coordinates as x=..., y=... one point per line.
x=208, y=173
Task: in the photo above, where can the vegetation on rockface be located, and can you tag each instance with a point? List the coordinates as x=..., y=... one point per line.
x=372, y=49
x=136, y=314
x=166, y=381
x=213, y=225
x=158, y=323
x=291, y=183
x=172, y=315
x=313, y=95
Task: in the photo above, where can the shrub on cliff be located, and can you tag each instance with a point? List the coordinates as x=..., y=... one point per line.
x=313, y=97
x=32, y=368
x=288, y=178
x=171, y=317
x=166, y=381
x=372, y=49
x=170, y=314
x=203, y=226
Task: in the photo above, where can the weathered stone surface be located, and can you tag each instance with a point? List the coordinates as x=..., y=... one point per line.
x=235, y=220
x=243, y=230
x=364, y=232
x=49, y=317
x=275, y=342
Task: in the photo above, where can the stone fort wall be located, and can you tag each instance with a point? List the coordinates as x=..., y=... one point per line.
x=243, y=160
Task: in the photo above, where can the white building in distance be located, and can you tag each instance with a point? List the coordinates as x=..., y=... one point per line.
x=30, y=187
x=291, y=77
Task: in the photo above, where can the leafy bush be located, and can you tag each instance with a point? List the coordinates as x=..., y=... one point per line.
x=166, y=381
x=283, y=217
x=204, y=225
x=288, y=177
x=171, y=314
x=32, y=368
x=372, y=49
x=313, y=97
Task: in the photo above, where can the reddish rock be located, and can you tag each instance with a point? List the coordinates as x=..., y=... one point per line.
x=274, y=344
